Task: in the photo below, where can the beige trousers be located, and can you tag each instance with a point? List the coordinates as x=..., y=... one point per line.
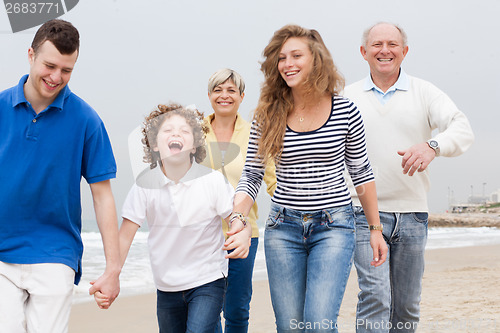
x=35, y=298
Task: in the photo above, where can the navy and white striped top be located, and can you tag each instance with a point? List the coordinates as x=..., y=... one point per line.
x=310, y=172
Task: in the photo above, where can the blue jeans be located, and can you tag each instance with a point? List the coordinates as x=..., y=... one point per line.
x=389, y=300
x=309, y=258
x=191, y=311
x=239, y=292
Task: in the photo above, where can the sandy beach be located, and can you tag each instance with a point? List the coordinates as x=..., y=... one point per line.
x=460, y=294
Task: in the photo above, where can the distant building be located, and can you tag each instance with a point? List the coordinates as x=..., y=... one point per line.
x=495, y=196
x=476, y=199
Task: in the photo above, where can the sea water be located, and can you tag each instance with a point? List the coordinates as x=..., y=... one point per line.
x=136, y=276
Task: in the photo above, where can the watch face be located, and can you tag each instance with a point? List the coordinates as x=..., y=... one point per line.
x=433, y=144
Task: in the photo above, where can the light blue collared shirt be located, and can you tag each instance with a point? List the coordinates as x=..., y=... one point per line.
x=401, y=84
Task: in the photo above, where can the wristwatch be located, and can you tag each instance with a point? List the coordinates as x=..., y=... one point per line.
x=434, y=145
x=377, y=227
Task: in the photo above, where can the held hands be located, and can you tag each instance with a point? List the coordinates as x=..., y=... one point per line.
x=416, y=158
x=101, y=300
x=105, y=290
x=239, y=240
x=379, y=247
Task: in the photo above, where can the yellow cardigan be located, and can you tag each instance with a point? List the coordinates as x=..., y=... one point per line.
x=234, y=160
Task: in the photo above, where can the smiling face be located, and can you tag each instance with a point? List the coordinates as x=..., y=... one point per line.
x=50, y=72
x=226, y=99
x=175, y=140
x=295, y=61
x=384, y=51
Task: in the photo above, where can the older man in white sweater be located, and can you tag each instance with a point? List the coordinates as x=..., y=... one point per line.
x=400, y=112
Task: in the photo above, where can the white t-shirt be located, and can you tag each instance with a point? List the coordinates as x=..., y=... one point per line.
x=184, y=219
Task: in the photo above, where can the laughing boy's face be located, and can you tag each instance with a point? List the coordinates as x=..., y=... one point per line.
x=175, y=139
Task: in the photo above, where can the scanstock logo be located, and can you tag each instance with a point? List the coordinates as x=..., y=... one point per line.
x=25, y=14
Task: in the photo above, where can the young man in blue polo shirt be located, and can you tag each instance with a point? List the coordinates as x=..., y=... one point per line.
x=49, y=139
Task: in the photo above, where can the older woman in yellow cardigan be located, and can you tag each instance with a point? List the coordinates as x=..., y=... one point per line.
x=227, y=143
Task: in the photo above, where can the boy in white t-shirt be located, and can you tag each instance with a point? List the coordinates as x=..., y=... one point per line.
x=183, y=203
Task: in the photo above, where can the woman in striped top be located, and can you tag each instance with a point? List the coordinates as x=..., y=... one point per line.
x=312, y=134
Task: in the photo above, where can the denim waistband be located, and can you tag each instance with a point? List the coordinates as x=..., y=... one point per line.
x=309, y=215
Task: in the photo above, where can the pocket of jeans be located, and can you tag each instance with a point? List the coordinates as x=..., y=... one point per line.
x=420, y=217
x=274, y=219
x=340, y=219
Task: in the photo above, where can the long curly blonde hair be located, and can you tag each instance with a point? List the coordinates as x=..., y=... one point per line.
x=276, y=101
x=157, y=117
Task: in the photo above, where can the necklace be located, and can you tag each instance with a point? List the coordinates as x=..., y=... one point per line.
x=303, y=108
x=311, y=112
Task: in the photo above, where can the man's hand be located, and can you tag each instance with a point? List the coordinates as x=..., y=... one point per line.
x=104, y=205
x=416, y=158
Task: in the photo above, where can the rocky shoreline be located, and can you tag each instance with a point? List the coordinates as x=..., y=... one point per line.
x=464, y=220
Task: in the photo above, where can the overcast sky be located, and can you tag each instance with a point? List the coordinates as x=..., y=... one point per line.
x=136, y=54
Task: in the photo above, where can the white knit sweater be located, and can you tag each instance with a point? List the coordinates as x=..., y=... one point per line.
x=408, y=118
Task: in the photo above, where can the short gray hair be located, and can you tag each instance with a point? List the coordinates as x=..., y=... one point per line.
x=364, y=39
x=222, y=75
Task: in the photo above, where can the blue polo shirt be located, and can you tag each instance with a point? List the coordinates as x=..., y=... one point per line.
x=42, y=159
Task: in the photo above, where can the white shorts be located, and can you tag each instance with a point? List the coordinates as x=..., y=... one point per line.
x=35, y=298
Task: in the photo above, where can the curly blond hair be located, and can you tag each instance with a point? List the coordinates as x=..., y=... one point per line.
x=155, y=120
x=276, y=101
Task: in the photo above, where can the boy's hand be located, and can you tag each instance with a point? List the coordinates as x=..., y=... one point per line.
x=101, y=300
x=239, y=241
x=108, y=284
